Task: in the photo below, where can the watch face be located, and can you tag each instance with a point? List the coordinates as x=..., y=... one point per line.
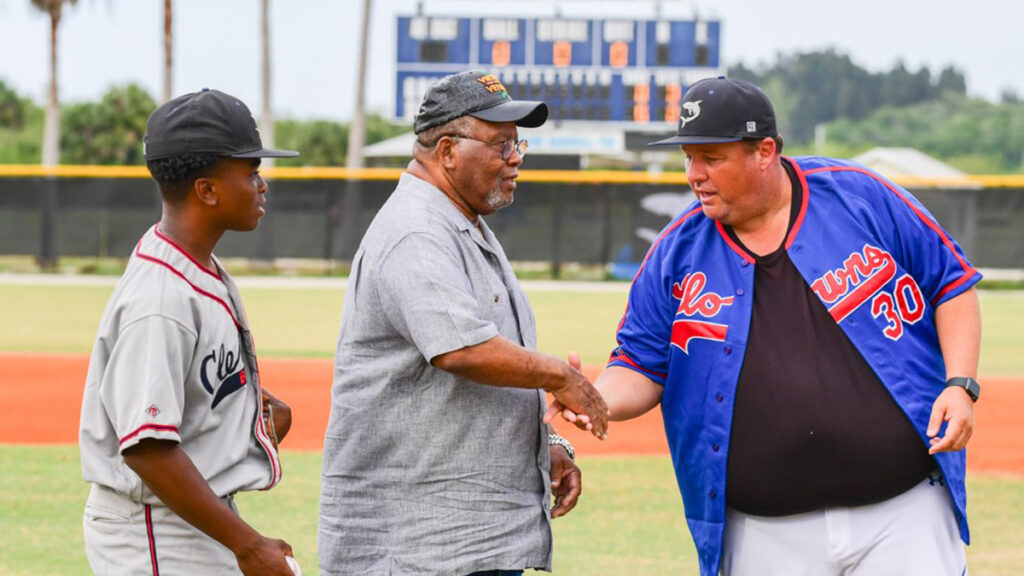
x=970, y=385
x=973, y=389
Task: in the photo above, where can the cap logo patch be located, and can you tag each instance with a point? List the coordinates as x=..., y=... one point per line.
x=690, y=112
x=493, y=85
x=751, y=126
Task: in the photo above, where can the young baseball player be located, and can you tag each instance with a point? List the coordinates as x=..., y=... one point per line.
x=174, y=420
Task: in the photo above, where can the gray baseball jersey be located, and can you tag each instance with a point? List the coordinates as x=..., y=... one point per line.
x=174, y=360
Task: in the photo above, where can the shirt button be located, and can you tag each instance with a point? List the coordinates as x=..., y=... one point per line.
x=713, y=494
x=727, y=350
x=739, y=292
x=719, y=397
x=714, y=447
x=744, y=263
x=496, y=298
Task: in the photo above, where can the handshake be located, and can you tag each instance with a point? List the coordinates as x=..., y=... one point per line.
x=578, y=401
x=619, y=393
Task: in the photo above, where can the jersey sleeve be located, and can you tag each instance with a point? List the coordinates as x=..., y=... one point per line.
x=143, y=386
x=427, y=296
x=931, y=255
x=645, y=331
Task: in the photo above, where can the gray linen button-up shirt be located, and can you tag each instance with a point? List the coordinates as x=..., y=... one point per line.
x=425, y=472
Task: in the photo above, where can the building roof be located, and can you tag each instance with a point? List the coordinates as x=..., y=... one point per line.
x=906, y=162
x=554, y=138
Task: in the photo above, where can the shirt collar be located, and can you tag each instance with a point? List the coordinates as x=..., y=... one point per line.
x=435, y=197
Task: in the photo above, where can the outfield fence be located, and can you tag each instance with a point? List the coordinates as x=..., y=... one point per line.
x=321, y=213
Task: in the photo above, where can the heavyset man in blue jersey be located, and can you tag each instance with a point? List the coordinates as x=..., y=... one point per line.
x=812, y=336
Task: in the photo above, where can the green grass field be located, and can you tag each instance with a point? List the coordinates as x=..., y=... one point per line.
x=304, y=322
x=629, y=520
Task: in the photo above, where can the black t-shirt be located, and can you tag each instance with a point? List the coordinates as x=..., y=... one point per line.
x=813, y=427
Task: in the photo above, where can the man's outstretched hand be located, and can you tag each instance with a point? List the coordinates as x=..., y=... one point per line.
x=579, y=403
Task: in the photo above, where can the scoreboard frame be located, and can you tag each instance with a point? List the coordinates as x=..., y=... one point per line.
x=612, y=70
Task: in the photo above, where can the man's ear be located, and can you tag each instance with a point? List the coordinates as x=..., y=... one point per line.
x=205, y=190
x=766, y=151
x=447, y=152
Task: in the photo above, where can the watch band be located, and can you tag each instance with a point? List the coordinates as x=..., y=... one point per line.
x=970, y=385
x=556, y=440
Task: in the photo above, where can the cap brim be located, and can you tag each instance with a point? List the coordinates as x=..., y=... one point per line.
x=266, y=153
x=680, y=140
x=525, y=113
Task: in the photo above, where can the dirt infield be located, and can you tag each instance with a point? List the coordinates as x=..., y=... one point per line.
x=41, y=395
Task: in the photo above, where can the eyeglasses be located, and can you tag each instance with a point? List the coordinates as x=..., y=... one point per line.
x=520, y=146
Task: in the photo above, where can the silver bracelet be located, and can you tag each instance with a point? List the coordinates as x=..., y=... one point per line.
x=556, y=440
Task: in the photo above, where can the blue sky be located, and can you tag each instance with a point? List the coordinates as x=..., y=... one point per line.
x=315, y=42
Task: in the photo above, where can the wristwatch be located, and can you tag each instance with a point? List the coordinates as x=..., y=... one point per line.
x=969, y=384
x=556, y=440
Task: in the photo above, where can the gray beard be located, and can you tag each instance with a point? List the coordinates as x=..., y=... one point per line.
x=496, y=200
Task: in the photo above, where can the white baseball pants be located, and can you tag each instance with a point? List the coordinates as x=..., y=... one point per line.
x=125, y=538
x=913, y=533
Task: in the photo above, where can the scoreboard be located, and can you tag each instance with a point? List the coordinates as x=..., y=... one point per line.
x=613, y=70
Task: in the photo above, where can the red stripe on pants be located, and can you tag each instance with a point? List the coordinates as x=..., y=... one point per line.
x=152, y=540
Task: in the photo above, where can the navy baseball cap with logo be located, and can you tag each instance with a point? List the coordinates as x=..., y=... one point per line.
x=718, y=110
x=205, y=122
x=479, y=94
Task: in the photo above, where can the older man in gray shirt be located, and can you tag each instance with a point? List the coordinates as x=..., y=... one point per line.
x=437, y=459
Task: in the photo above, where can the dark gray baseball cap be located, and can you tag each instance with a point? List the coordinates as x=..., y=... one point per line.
x=205, y=122
x=479, y=94
x=717, y=110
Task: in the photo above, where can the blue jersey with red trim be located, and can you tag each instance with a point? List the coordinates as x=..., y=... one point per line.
x=870, y=251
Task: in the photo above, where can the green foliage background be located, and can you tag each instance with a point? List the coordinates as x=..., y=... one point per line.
x=946, y=127
x=903, y=108
x=21, y=128
x=813, y=87
x=110, y=130
x=859, y=109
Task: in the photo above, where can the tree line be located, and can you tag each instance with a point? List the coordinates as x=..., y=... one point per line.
x=816, y=87
x=857, y=110
x=100, y=145
x=109, y=131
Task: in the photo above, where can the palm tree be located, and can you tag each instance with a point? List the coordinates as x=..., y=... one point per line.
x=51, y=126
x=357, y=129
x=168, y=49
x=266, y=115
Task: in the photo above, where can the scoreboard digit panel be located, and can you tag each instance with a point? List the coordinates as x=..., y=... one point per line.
x=502, y=42
x=619, y=43
x=433, y=40
x=682, y=43
x=562, y=43
x=615, y=70
x=571, y=94
x=411, y=88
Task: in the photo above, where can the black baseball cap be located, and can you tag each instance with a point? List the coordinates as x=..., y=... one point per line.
x=205, y=122
x=717, y=110
x=479, y=94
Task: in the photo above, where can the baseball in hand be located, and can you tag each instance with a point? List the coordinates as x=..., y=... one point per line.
x=294, y=565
